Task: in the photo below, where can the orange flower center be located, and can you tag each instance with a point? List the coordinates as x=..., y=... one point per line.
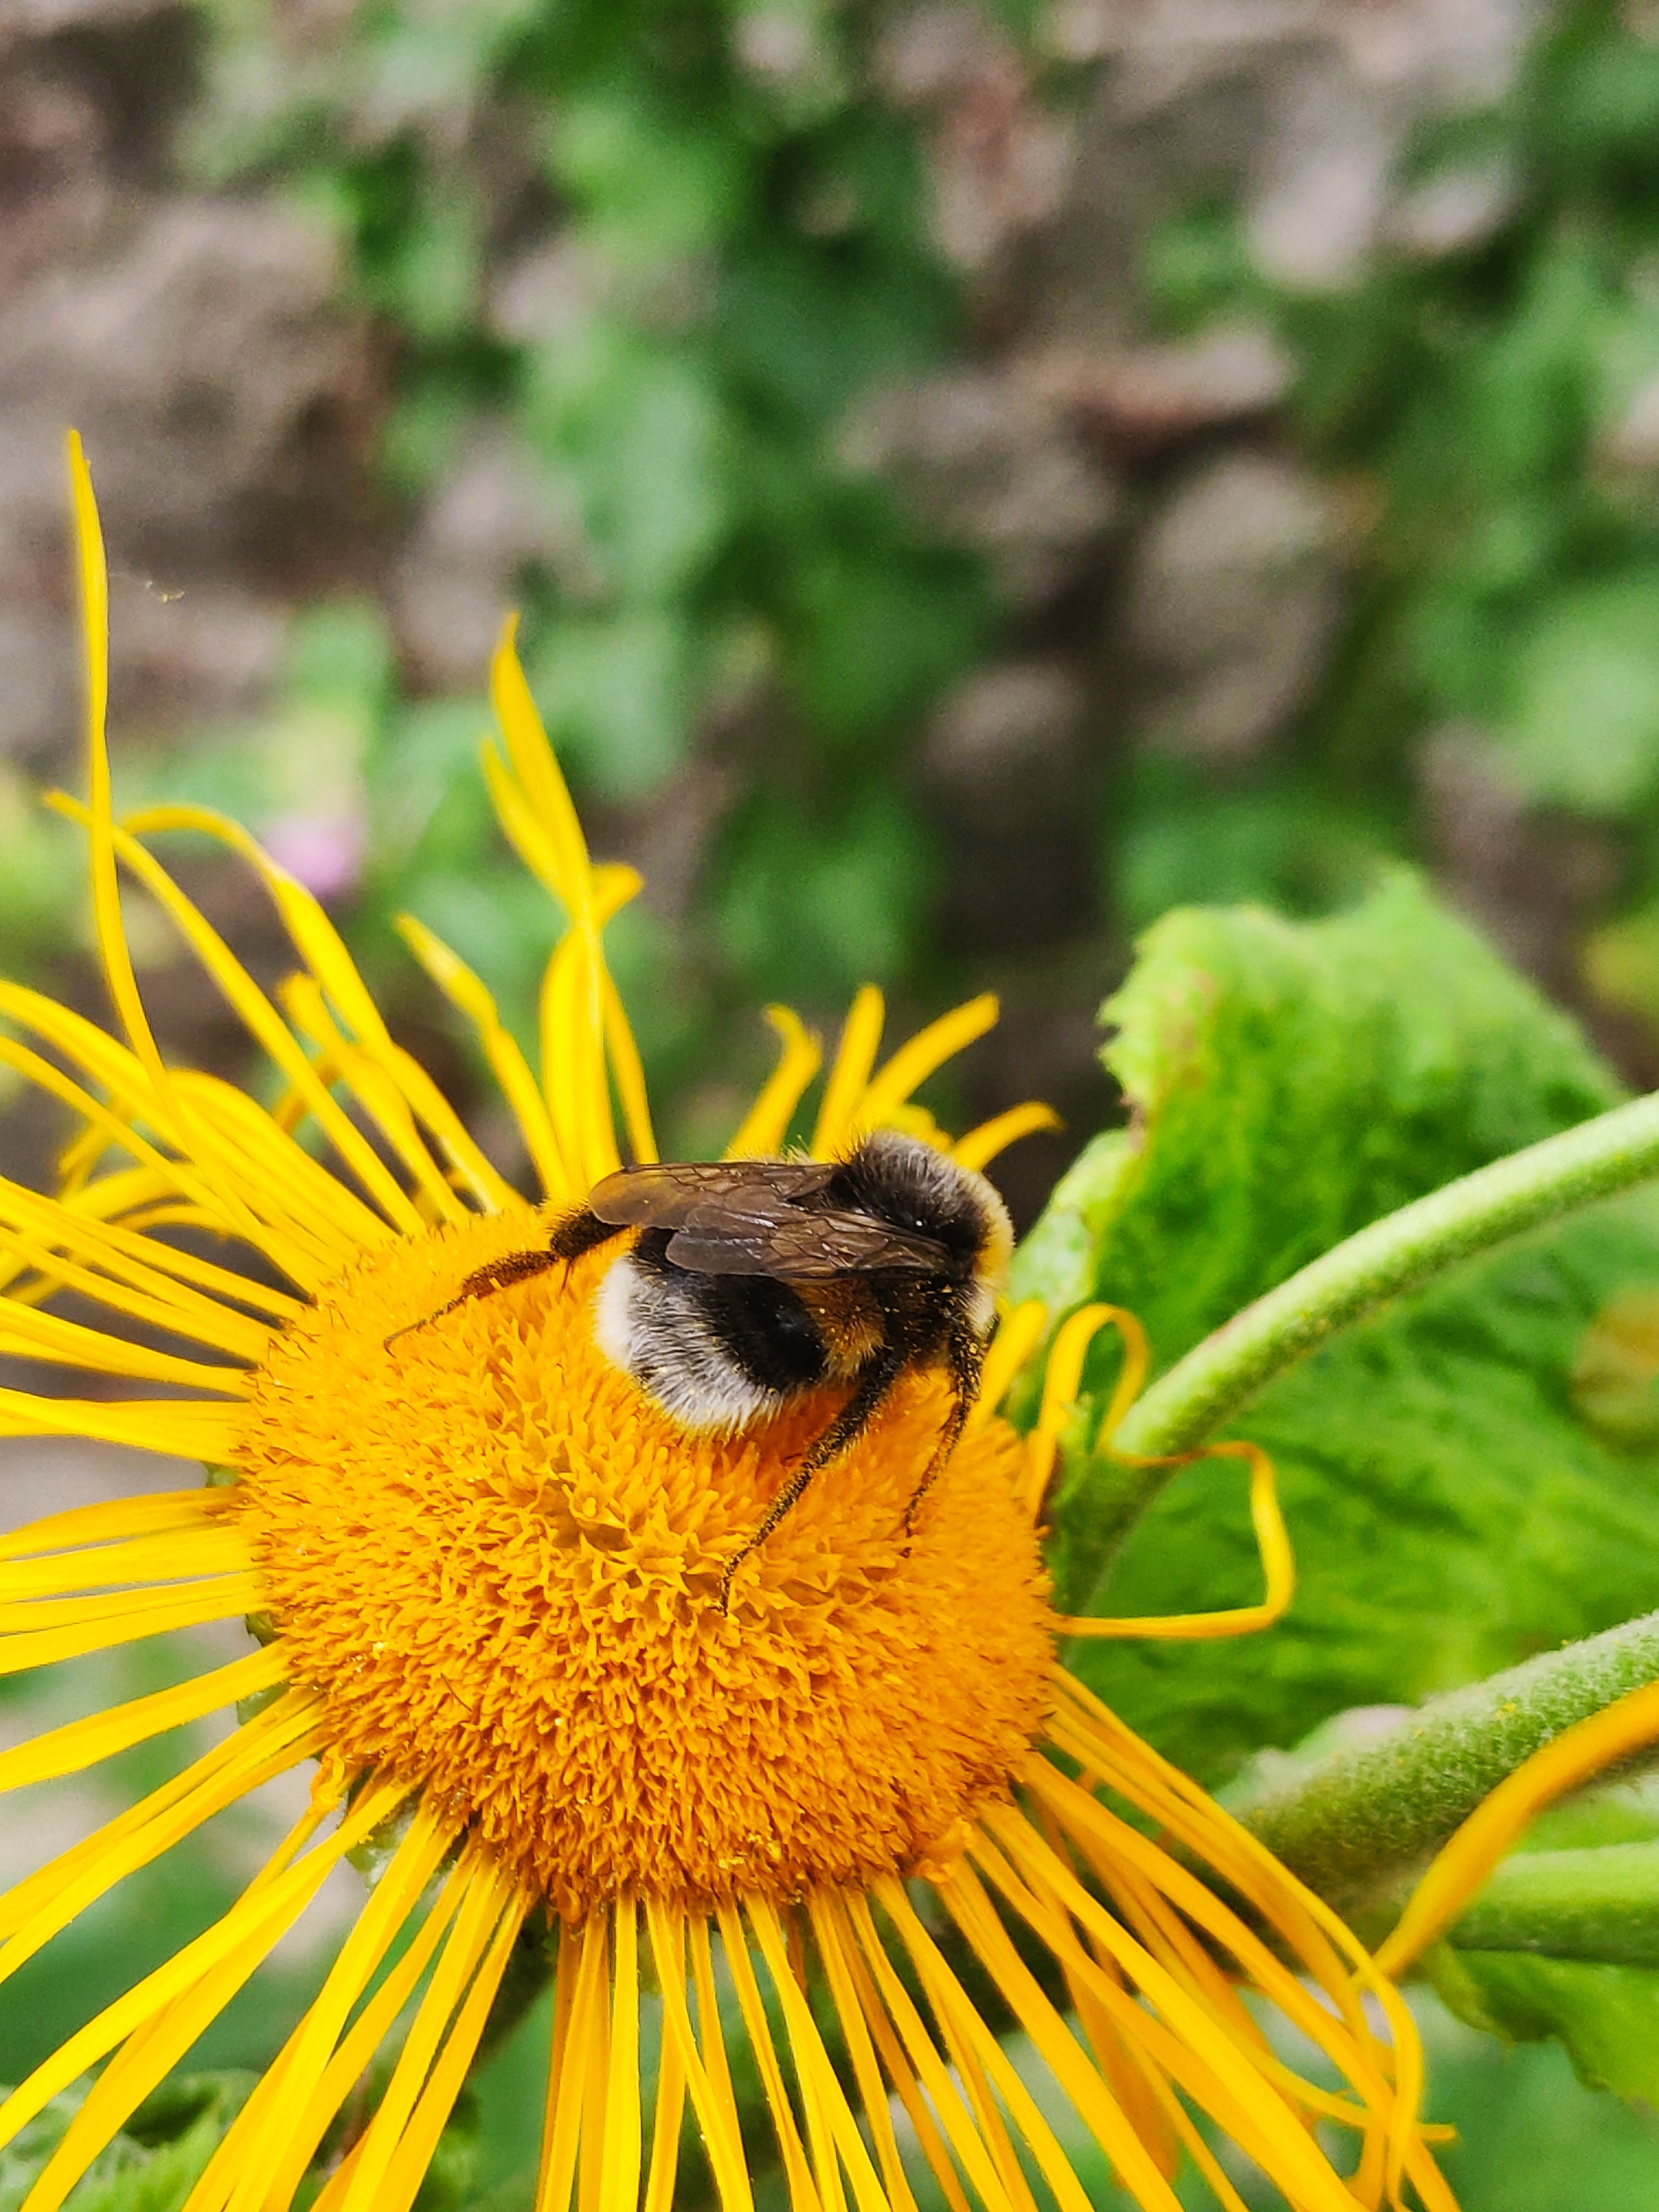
x=501, y=1563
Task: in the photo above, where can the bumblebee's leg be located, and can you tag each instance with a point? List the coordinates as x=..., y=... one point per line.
x=849, y=1425
x=577, y=1233
x=965, y=1358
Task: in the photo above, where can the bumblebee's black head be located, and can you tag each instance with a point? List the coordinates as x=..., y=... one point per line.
x=902, y=1179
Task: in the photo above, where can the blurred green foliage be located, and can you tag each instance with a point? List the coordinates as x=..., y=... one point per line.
x=1487, y=403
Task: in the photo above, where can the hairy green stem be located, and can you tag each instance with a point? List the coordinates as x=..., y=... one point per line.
x=1399, y=1252
x=1357, y=1826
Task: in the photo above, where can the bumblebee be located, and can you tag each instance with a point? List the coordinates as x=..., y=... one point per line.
x=753, y=1282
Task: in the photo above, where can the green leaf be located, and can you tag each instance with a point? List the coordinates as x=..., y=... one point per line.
x=1584, y=730
x=154, y=2162
x=617, y=693
x=817, y=902
x=1566, y=1942
x=1452, y=1510
x=1290, y=1082
x=1607, y=2016
x=1530, y=2137
x=650, y=185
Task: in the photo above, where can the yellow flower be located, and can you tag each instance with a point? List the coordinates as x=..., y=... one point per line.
x=484, y=1573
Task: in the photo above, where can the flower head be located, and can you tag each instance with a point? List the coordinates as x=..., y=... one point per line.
x=486, y=1571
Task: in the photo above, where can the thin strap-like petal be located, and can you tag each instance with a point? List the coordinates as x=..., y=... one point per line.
x=921, y=1055
x=89, y=1219
x=129, y=1615
x=507, y=1063
x=112, y=1520
x=1097, y=2108
x=855, y=2026
x=218, y=1545
x=444, y=2084
x=982, y=1143
x=821, y=2093
x=273, y=2152
x=961, y=2129
x=265, y=1025
x=187, y=1428
x=577, y=2053
x=1018, y=1333
x=115, y=1272
x=803, y=2192
x=113, y=952
x=708, y=2084
x=270, y=1911
x=370, y=1080
x=289, y=1736
x=37, y=1335
x=1630, y=1723
x=147, y=2057
x=855, y=1055
x=77, y=1745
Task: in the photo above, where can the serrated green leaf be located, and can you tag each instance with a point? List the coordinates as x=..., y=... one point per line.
x=1452, y=1513
x=1452, y=1510
x=1290, y=1082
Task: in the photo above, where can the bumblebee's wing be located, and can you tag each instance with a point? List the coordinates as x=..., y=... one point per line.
x=755, y=1217
x=676, y=1194
x=799, y=1245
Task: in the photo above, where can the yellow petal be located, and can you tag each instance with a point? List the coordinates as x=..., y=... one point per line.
x=191, y=1428
x=802, y=2196
x=124, y=1618
x=855, y=1057
x=273, y=1911
x=277, y=2133
x=709, y=2084
x=370, y=1080
x=414, y=2154
x=80, y=1876
x=113, y=1520
x=1630, y=1723
x=263, y=1023
x=980, y=1145
x=219, y=1548
x=488, y=1902
x=106, y=891
x=507, y=1063
x=922, y=1055
x=80, y=1744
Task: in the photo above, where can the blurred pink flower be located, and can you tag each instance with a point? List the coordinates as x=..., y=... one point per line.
x=324, y=851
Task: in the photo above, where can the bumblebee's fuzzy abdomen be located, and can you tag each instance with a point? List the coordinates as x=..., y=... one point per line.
x=764, y=1328
x=713, y=1351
